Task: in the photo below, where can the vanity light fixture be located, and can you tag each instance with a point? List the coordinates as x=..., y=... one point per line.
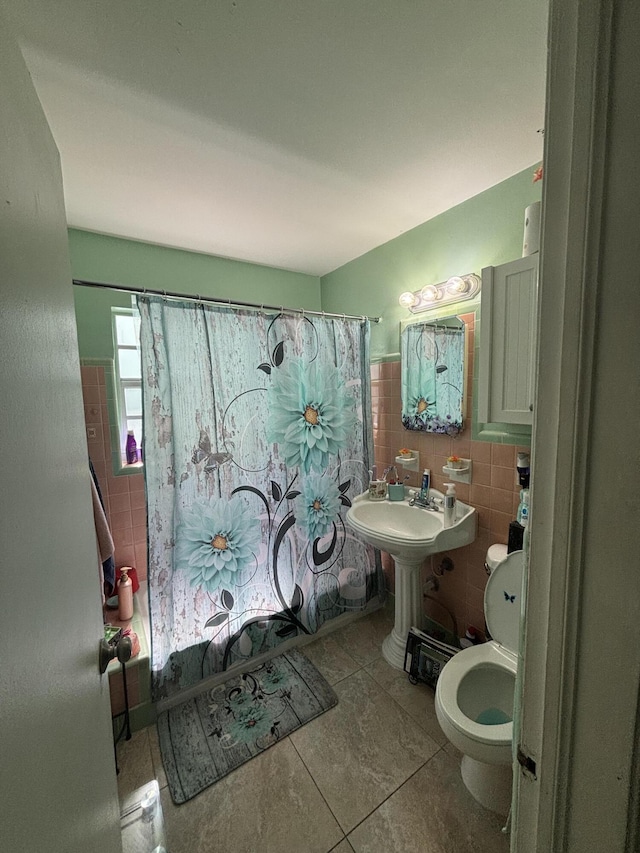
x=456, y=289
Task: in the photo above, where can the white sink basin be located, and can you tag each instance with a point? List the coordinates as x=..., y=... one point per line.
x=410, y=532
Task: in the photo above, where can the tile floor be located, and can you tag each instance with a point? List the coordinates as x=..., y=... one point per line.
x=372, y=775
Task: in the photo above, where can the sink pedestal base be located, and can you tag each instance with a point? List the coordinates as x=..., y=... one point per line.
x=408, y=610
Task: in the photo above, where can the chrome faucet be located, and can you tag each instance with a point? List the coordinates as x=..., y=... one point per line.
x=426, y=503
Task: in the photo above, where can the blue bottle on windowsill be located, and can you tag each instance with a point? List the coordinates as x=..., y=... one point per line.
x=131, y=449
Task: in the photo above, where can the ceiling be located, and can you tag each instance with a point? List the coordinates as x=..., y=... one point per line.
x=294, y=133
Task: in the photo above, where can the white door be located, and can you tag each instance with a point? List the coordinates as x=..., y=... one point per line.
x=57, y=771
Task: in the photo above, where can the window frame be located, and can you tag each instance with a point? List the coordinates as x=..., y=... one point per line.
x=120, y=383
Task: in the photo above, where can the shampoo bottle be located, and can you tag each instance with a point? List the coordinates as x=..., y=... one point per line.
x=450, y=505
x=125, y=596
x=131, y=448
x=426, y=483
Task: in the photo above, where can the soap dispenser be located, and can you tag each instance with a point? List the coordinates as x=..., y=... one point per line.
x=450, y=505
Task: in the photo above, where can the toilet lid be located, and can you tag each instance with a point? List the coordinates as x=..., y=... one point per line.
x=502, y=601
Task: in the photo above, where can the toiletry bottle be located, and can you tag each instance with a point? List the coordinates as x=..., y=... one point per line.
x=470, y=638
x=131, y=449
x=426, y=482
x=523, y=509
x=125, y=596
x=522, y=466
x=450, y=505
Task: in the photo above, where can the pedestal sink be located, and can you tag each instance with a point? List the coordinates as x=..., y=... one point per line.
x=409, y=534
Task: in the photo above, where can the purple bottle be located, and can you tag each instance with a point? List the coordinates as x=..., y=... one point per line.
x=131, y=449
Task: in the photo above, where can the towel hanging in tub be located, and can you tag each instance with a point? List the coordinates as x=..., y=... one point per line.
x=106, y=547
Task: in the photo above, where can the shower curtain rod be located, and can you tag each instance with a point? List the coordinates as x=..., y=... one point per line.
x=168, y=294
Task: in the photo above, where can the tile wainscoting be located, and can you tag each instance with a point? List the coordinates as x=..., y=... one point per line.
x=494, y=492
x=123, y=496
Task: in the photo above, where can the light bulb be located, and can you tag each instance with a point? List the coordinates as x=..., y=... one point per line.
x=407, y=299
x=430, y=293
x=456, y=284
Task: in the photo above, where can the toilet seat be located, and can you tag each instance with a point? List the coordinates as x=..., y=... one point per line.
x=448, y=684
x=486, y=742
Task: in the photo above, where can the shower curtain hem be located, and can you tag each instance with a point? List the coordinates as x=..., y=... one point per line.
x=373, y=605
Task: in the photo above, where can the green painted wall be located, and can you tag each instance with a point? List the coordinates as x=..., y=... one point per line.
x=484, y=231
x=95, y=257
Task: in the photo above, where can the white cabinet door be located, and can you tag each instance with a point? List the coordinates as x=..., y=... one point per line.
x=507, y=342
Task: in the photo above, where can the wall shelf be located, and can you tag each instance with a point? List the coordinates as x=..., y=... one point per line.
x=411, y=463
x=459, y=475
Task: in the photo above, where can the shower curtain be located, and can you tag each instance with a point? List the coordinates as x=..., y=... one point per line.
x=257, y=436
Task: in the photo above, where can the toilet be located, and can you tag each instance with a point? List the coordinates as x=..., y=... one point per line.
x=475, y=690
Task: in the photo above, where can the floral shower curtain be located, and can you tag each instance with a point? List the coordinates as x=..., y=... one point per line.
x=256, y=437
x=432, y=377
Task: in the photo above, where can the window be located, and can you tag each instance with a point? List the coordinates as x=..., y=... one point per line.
x=126, y=333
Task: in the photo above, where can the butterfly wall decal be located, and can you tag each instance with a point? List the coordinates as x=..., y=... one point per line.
x=508, y=597
x=202, y=453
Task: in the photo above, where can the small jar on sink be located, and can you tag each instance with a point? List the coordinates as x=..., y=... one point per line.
x=377, y=490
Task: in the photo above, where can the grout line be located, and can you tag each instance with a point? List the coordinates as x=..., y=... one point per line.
x=340, y=842
x=404, y=710
x=395, y=791
x=423, y=764
x=359, y=669
x=322, y=795
x=319, y=791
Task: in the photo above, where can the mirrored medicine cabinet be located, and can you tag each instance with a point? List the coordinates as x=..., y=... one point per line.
x=433, y=369
x=439, y=386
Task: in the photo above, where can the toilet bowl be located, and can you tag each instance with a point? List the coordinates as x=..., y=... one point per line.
x=475, y=692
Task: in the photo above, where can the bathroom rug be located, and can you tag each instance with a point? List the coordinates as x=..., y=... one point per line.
x=211, y=734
